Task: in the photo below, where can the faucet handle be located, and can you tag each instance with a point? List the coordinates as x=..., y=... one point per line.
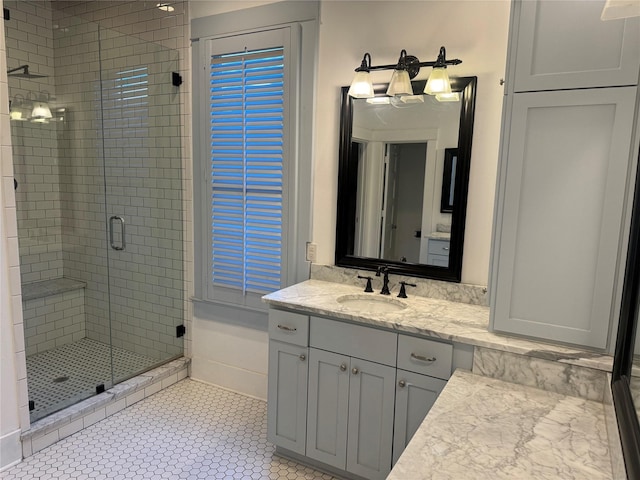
x=382, y=269
x=403, y=291
x=368, y=288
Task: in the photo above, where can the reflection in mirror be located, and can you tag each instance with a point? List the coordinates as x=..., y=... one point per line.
x=402, y=187
x=400, y=149
x=625, y=383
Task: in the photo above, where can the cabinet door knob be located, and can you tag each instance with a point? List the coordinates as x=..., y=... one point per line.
x=303, y=357
x=343, y=367
x=402, y=383
x=354, y=370
x=287, y=329
x=422, y=358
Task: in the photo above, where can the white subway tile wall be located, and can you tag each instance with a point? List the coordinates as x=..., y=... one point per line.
x=29, y=40
x=53, y=321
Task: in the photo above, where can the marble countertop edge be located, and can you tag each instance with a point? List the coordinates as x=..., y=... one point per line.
x=442, y=319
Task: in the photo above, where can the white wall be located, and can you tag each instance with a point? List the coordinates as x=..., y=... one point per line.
x=474, y=31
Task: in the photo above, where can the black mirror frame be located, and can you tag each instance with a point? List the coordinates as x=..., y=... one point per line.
x=628, y=424
x=348, y=183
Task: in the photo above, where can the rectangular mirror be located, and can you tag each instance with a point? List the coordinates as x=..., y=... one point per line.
x=403, y=181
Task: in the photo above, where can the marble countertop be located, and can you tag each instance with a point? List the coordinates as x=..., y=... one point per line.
x=440, y=236
x=482, y=428
x=453, y=321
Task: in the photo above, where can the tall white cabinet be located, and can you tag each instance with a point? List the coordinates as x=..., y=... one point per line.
x=568, y=151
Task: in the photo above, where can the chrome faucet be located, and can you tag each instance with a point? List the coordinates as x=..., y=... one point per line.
x=385, y=285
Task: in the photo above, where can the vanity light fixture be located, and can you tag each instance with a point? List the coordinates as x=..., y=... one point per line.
x=438, y=82
x=18, y=109
x=400, y=83
x=407, y=68
x=41, y=112
x=361, y=87
x=165, y=7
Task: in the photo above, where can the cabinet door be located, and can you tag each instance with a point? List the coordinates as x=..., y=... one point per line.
x=559, y=214
x=328, y=407
x=415, y=395
x=287, y=396
x=371, y=404
x=564, y=44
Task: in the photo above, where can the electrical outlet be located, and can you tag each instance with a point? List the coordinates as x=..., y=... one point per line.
x=312, y=251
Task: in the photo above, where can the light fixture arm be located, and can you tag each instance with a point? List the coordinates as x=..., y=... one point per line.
x=365, y=65
x=411, y=63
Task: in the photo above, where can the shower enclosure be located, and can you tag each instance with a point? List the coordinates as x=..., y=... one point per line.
x=95, y=129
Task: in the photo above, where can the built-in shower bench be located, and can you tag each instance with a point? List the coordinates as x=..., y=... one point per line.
x=53, y=286
x=53, y=313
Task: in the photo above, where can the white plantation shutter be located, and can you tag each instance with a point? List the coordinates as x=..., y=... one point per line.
x=247, y=152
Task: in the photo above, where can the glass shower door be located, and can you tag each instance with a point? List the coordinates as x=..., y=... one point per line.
x=143, y=203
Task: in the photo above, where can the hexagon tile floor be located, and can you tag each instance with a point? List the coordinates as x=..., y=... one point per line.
x=190, y=430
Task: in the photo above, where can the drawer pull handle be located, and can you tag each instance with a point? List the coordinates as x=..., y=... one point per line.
x=287, y=329
x=354, y=370
x=402, y=384
x=303, y=357
x=422, y=358
x=445, y=248
x=343, y=367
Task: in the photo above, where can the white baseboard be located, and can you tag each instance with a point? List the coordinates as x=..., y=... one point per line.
x=232, y=378
x=10, y=450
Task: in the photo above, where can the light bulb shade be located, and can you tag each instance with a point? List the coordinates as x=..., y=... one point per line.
x=17, y=113
x=361, y=87
x=40, y=112
x=438, y=82
x=400, y=84
x=448, y=97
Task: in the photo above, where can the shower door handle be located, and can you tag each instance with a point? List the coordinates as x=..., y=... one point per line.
x=122, y=242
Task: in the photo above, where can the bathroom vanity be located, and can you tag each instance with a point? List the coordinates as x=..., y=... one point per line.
x=352, y=375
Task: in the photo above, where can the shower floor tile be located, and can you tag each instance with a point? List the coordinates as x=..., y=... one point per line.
x=65, y=375
x=190, y=430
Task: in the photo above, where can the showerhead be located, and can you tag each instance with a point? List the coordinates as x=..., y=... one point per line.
x=15, y=72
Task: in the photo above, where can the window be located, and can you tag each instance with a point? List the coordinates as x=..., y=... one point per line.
x=251, y=181
x=247, y=139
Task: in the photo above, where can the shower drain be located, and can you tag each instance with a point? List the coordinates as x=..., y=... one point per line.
x=61, y=379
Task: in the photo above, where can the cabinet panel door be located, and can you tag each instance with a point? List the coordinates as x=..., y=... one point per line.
x=371, y=405
x=564, y=44
x=415, y=395
x=328, y=407
x=567, y=166
x=287, y=396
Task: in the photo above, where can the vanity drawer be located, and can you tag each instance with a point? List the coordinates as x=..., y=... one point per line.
x=438, y=247
x=289, y=327
x=353, y=340
x=425, y=356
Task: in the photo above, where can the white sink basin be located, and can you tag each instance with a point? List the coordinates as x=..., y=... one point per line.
x=373, y=303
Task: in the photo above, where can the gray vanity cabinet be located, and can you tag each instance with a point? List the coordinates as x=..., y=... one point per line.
x=438, y=252
x=287, y=396
x=565, y=45
x=350, y=396
x=351, y=404
x=415, y=395
x=565, y=163
x=288, y=377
